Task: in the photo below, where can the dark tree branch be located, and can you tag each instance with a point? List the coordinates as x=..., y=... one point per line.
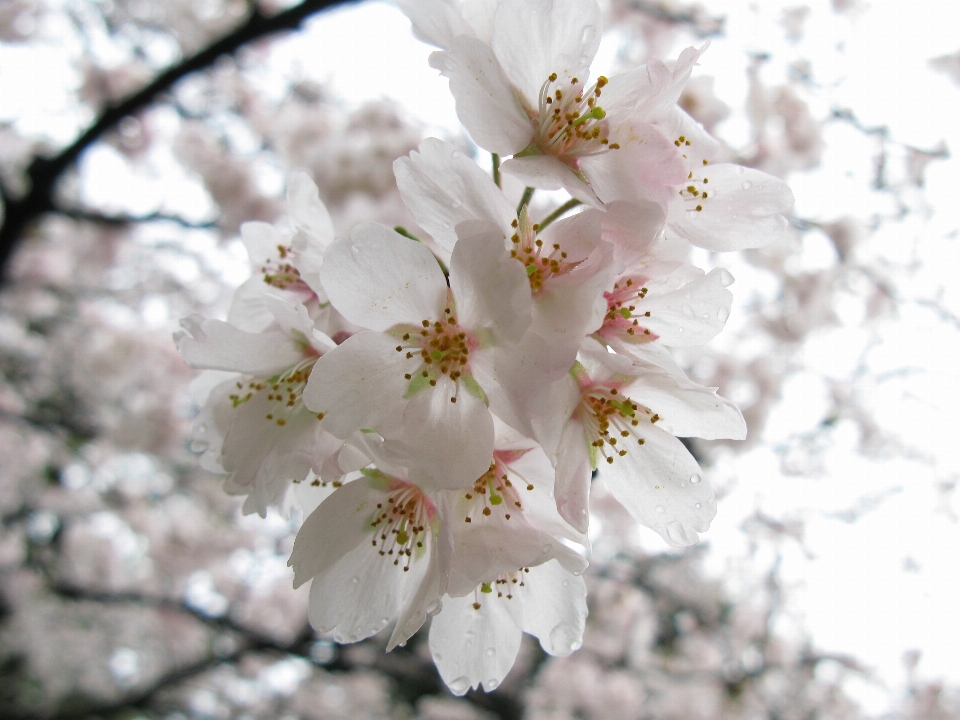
x=45, y=172
x=124, y=220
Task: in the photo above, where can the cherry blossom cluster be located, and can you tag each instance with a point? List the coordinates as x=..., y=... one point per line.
x=448, y=399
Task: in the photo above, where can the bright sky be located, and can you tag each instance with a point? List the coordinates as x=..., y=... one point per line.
x=873, y=588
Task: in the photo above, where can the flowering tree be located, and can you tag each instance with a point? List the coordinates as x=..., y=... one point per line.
x=457, y=417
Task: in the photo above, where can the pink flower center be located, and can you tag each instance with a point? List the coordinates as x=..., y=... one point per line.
x=401, y=522
x=442, y=347
x=542, y=262
x=282, y=274
x=624, y=319
x=494, y=491
x=570, y=123
x=611, y=420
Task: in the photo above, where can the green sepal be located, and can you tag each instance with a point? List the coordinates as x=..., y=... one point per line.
x=473, y=387
x=417, y=383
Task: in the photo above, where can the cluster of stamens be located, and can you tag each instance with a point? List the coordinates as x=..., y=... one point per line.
x=400, y=524
x=623, y=318
x=285, y=391
x=694, y=192
x=542, y=262
x=503, y=586
x=612, y=420
x=571, y=121
x=492, y=489
x=282, y=274
x=443, y=349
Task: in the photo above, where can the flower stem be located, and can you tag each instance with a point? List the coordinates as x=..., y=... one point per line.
x=525, y=200
x=568, y=205
x=496, y=169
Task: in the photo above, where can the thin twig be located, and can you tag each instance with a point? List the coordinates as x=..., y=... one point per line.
x=568, y=205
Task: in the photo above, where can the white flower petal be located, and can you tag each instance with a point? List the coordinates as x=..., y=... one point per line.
x=436, y=22
x=491, y=289
x=442, y=187
x=378, y=279
x=486, y=102
x=248, y=311
x=216, y=345
x=744, y=210
x=661, y=485
x=359, y=385
x=573, y=476
x=311, y=218
x=445, y=444
x=340, y=524
x=554, y=608
x=548, y=173
x=476, y=647
x=692, y=313
x=686, y=408
x=261, y=240
x=647, y=165
x=534, y=38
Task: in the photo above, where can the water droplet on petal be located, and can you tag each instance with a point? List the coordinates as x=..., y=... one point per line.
x=384, y=620
x=446, y=226
x=587, y=35
x=455, y=154
x=739, y=169
x=726, y=279
x=566, y=583
x=705, y=316
x=695, y=478
x=584, y=61
x=546, y=548
x=699, y=506
x=583, y=512
x=723, y=314
x=437, y=657
x=492, y=683
x=782, y=221
x=746, y=185
x=355, y=580
x=577, y=573
x=683, y=483
x=457, y=202
x=490, y=652
x=460, y=685
x=660, y=509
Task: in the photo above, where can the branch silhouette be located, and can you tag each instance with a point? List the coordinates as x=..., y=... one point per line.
x=45, y=172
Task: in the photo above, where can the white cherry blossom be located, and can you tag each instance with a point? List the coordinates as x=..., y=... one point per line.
x=254, y=426
x=413, y=377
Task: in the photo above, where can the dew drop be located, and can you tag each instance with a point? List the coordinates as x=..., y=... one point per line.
x=683, y=483
x=723, y=314
x=782, y=221
x=384, y=620
x=546, y=548
x=695, y=478
x=577, y=573
x=584, y=61
x=699, y=506
x=587, y=34
x=437, y=657
x=460, y=685
x=566, y=583
x=355, y=580
x=746, y=184
x=706, y=316
x=583, y=512
x=446, y=226
x=680, y=329
x=457, y=202
x=490, y=652
x=455, y=154
x=726, y=279
x=739, y=169
x=492, y=683
x=660, y=509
